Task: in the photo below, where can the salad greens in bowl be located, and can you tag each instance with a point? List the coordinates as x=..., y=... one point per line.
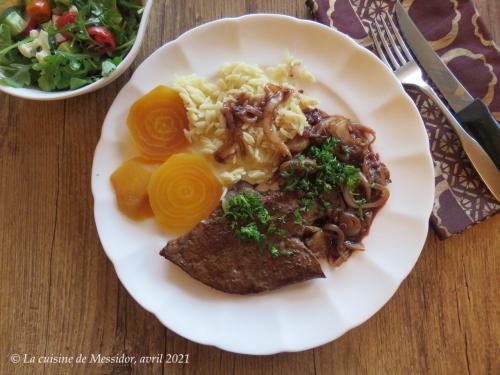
x=55, y=49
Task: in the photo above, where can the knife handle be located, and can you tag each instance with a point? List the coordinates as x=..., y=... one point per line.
x=481, y=124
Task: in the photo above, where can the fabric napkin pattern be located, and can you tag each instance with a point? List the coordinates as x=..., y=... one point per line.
x=459, y=36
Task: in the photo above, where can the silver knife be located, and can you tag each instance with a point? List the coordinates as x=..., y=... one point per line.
x=472, y=113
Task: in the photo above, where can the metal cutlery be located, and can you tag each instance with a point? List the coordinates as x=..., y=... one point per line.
x=472, y=113
x=394, y=52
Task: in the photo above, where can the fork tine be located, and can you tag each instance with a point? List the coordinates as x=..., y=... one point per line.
x=402, y=43
x=387, y=48
x=392, y=42
x=378, y=47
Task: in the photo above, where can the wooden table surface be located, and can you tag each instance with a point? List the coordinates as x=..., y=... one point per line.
x=59, y=294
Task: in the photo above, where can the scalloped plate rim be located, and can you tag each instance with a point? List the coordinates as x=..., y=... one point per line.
x=409, y=267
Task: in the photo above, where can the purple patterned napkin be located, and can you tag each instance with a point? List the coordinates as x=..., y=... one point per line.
x=458, y=35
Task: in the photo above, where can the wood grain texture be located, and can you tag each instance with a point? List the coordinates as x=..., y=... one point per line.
x=60, y=294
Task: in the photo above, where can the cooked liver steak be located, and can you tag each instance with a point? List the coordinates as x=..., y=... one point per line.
x=212, y=254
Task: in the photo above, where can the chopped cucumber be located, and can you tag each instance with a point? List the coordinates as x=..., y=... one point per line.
x=15, y=22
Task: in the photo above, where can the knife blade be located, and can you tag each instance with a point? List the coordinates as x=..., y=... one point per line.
x=472, y=113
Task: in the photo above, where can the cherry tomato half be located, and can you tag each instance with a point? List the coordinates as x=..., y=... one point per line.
x=39, y=10
x=103, y=36
x=66, y=18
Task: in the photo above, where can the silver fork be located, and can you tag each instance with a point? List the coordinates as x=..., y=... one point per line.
x=392, y=50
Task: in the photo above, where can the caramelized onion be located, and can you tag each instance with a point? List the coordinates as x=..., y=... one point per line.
x=299, y=167
x=298, y=144
x=348, y=198
x=384, y=196
x=366, y=186
x=350, y=224
x=273, y=100
x=314, y=116
x=248, y=112
x=339, y=236
x=310, y=229
x=354, y=246
x=374, y=170
x=363, y=134
x=234, y=140
x=318, y=244
x=338, y=126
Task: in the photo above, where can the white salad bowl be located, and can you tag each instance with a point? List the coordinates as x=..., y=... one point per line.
x=36, y=94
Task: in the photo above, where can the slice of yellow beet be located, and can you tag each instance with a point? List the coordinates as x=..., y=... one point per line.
x=157, y=122
x=130, y=182
x=183, y=191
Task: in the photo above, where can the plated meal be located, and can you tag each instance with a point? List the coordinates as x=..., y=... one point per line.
x=64, y=44
x=254, y=181
x=223, y=209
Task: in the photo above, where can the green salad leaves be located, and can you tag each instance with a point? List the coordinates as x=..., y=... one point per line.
x=90, y=45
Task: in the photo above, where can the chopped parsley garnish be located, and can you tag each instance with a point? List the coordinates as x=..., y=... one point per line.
x=360, y=203
x=301, y=159
x=250, y=232
x=297, y=217
x=251, y=221
x=306, y=204
x=346, y=149
x=352, y=177
x=274, y=250
x=246, y=206
x=280, y=232
x=331, y=174
x=273, y=229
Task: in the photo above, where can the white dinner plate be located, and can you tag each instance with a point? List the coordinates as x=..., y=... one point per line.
x=350, y=81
